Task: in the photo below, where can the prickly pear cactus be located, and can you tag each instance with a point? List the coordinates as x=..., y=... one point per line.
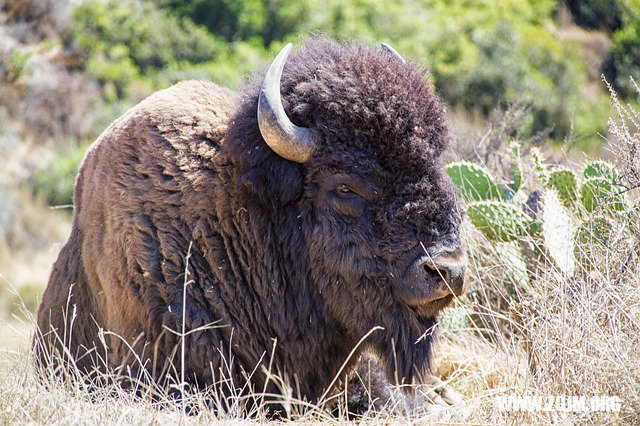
x=558, y=231
x=563, y=181
x=500, y=221
x=474, y=182
x=599, y=192
x=511, y=255
x=601, y=169
x=591, y=241
x=454, y=318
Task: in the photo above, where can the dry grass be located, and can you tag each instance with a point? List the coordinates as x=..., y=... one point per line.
x=31, y=236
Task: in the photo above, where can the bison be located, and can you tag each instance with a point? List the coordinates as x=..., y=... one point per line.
x=274, y=227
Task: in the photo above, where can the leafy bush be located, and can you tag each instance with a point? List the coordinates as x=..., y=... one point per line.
x=151, y=37
x=604, y=14
x=481, y=53
x=55, y=182
x=120, y=41
x=625, y=58
x=261, y=20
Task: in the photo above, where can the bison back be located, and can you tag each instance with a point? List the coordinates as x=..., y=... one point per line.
x=141, y=194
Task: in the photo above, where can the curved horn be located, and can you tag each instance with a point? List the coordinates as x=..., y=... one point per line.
x=283, y=137
x=393, y=51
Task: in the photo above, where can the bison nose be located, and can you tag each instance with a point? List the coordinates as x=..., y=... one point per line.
x=451, y=266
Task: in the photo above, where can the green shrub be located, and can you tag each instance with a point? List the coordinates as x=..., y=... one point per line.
x=153, y=37
x=116, y=70
x=263, y=20
x=121, y=41
x=55, y=182
x=19, y=63
x=228, y=68
x=481, y=53
x=596, y=14
x=625, y=58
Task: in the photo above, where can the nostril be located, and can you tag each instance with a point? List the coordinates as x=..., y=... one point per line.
x=452, y=275
x=435, y=271
x=448, y=267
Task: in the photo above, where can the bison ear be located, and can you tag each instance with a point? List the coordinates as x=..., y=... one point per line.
x=280, y=183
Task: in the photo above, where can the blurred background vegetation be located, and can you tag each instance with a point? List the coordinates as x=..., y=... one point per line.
x=483, y=55
x=68, y=68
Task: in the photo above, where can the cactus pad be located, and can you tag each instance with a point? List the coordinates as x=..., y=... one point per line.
x=475, y=182
x=594, y=231
x=454, y=318
x=598, y=192
x=563, y=181
x=601, y=169
x=592, y=239
x=513, y=260
x=500, y=221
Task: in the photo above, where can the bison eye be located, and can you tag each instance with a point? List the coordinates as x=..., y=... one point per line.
x=343, y=189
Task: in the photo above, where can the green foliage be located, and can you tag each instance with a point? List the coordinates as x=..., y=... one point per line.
x=150, y=37
x=19, y=63
x=55, y=182
x=600, y=193
x=474, y=182
x=120, y=41
x=523, y=61
x=481, y=53
x=602, y=202
x=564, y=183
x=625, y=53
x=625, y=58
x=589, y=123
x=501, y=221
x=263, y=21
x=596, y=14
x=497, y=220
x=116, y=69
x=591, y=240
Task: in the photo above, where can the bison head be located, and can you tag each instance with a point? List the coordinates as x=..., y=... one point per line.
x=342, y=144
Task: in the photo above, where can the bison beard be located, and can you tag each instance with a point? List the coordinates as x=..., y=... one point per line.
x=309, y=254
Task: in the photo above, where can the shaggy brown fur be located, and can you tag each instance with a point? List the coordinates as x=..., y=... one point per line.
x=310, y=256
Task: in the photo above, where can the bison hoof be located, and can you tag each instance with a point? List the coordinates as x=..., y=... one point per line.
x=442, y=394
x=433, y=397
